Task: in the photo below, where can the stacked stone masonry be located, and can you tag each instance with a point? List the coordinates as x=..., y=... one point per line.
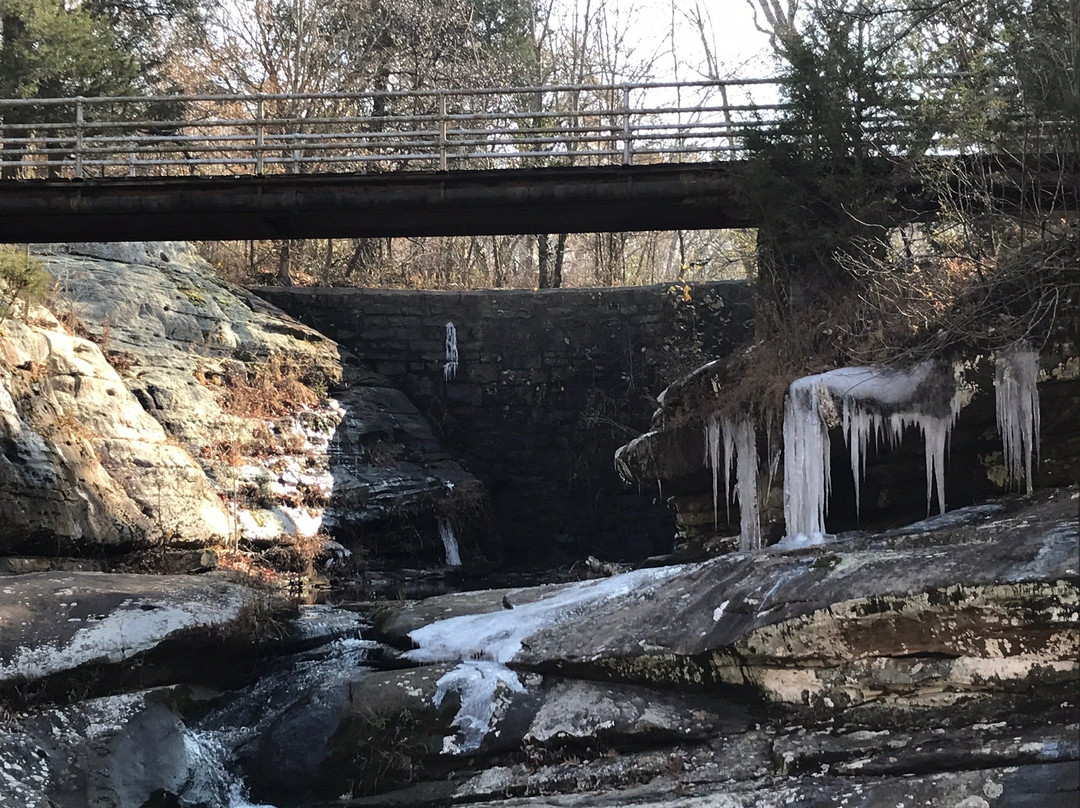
x=548, y=385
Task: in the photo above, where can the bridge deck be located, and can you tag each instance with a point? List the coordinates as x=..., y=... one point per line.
x=506, y=201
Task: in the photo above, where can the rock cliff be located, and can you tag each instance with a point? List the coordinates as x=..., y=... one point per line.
x=158, y=405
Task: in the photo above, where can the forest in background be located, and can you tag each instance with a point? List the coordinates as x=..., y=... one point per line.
x=843, y=63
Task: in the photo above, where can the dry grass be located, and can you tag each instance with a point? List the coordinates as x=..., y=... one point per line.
x=269, y=390
x=905, y=307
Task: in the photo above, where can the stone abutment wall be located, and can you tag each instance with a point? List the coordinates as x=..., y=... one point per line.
x=547, y=386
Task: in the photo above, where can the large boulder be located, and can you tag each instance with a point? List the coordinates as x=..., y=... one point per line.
x=976, y=603
x=91, y=630
x=83, y=464
x=889, y=654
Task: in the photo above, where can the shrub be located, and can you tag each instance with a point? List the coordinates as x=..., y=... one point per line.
x=21, y=278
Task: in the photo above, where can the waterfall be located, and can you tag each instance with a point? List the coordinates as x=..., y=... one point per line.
x=450, y=368
x=449, y=540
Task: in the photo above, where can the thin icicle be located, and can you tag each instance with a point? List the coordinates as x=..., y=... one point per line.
x=1018, y=418
x=712, y=462
x=739, y=441
x=449, y=540
x=450, y=368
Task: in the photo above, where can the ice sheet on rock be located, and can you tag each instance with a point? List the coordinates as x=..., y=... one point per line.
x=801, y=541
x=497, y=636
x=475, y=682
x=1017, y=399
x=449, y=540
x=876, y=404
x=450, y=368
x=124, y=632
x=484, y=643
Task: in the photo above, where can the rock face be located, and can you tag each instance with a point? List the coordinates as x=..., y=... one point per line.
x=55, y=623
x=82, y=463
x=938, y=661
x=194, y=413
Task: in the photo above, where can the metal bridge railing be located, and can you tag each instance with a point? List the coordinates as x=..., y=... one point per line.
x=444, y=130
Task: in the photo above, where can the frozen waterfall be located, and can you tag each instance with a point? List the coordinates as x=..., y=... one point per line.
x=449, y=540
x=1017, y=398
x=739, y=450
x=450, y=368
x=875, y=404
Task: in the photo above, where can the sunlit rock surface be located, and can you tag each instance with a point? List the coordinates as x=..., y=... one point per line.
x=189, y=411
x=82, y=463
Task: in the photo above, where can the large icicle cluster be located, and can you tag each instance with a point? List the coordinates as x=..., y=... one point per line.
x=739, y=450
x=876, y=405
x=1017, y=398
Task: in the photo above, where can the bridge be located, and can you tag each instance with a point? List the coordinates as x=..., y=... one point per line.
x=572, y=158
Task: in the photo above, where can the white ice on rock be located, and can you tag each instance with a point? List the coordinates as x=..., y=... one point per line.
x=1017, y=397
x=876, y=404
x=475, y=681
x=739, y=450
x=483, y=644
x=450, y=368
x=449, y=540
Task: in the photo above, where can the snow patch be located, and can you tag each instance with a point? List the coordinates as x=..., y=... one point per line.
x=475, y=682
x=483, y=644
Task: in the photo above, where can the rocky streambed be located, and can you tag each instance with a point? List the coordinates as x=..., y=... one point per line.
x=930, y=665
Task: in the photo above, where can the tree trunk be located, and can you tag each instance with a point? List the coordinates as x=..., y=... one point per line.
x=543, y=258
x=560, y=252
x=284, y=274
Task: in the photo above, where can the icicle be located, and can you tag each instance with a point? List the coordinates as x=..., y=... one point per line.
x=739, y=451
x=744, y=439
x=875, y=403
x=712, y=461
x=1018, y=417
x=806, y=461
x=449, y=540
x=450, y=368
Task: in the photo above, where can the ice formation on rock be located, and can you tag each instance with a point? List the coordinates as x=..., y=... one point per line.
x=739, y=450
x=482, y=644
x=449, y=540
x=450, y=368
x=875, y=404
x=1017, y=398
x=475, y=681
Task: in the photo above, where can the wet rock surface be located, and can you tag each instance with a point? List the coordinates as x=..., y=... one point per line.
x=929, y=665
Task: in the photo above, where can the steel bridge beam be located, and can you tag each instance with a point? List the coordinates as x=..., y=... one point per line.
x=570, y=200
